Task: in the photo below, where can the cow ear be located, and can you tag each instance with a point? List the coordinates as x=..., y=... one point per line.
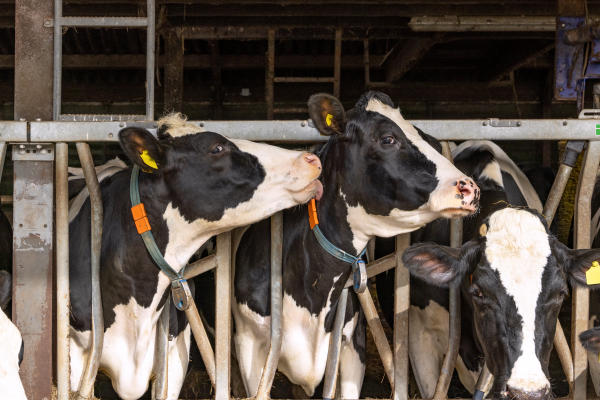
x=142, y=148
x=576, y=262
x=5, y=289
x=440, y=265
x=590, y=339
x=327, y=114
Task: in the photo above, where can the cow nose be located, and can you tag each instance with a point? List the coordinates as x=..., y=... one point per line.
x=468, y=192
x=312, y=159
x=542, y=394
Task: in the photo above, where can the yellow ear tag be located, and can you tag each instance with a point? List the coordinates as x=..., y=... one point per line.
x=328, y=119
x=592, y=276
x=148, y=160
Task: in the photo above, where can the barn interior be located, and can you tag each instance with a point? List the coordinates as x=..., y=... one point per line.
x=262, y=59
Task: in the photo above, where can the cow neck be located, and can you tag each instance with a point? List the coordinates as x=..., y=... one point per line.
x=332, y=209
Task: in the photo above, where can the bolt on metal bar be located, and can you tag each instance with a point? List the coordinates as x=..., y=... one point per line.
x=266, y=380
x=441, y=390
x=160, y=383
x=88, y=377
x=335, y=344
x=62, y=272
x=401, y=307
x=150, y=57
x=581, y=297
x=223, y=317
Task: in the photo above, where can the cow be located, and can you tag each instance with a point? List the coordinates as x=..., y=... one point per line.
x=501, y=182
x=198, y=184
x=515, y=274
x=381, y=177
x=590, y=339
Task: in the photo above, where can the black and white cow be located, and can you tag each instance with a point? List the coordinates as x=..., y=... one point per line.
x=203, y=184
x=382, y=177
x=518, y=279
x=501, y=182
x=11, y=343
x=590, y=339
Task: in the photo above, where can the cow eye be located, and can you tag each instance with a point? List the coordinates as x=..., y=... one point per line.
x=216, y=149
x=475, y=292
x=388, y=140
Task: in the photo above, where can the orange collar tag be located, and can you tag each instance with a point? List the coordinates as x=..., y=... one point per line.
x=312, y=214
x=139, y=217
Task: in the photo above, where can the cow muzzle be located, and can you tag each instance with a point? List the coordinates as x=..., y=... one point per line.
x=541, y=394
x=457, y=198
x=306, y=170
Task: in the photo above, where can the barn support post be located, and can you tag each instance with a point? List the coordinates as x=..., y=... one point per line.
x=33, y=220
x=401, y=307
x=88, y=377
x=441, y=389
x=337, y=62
x=270, y=74
x=173, y=91
x=223, y=317
x=581, y=297
x=62, y=272
x=266, y=380
x=150, y=57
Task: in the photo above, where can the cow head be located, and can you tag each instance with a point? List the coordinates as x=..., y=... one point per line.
x=212, y=184
x=518, y=281
x=393, y=176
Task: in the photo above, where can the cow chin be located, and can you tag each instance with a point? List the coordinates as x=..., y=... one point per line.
x=312, y=190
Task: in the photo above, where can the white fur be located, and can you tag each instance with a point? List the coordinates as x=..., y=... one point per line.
x=493, y=172
x=10, y=346
x=178, y=125
x=517, y=246
x=303, y=351
x=352, y=370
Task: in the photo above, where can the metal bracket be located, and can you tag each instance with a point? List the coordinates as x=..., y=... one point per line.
x=589, y=113
x=502, y=123
x=33, y=152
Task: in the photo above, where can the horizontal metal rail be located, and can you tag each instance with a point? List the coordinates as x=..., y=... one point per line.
x=301, y=131
x=104, y=22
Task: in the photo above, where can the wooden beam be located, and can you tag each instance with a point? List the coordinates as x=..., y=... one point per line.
x=173, y=90
x=407, y=56
x=217, y=87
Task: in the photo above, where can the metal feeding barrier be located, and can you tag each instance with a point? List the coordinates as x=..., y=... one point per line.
x=31, y=138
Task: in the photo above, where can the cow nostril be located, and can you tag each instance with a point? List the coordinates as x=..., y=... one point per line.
x=312, y=160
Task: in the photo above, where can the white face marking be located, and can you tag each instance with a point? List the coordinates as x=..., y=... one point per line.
x=492, y=172
x=10, y=346
x=517, y=246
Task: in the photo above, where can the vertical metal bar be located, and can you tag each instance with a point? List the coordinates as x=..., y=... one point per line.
x=556, y=192
x=62, y=272
x=564, y=354
x=32, y=269
x=150, y=56
x=335, y=344
x=223, y=317
x=337, y=62
x=160, y=384
x=367, y=62
x=270, y=74
x=381, y=342
x=441, y=389
x=88, y=376
x=57, y=68
x=3, y=147
x=401, y=307
x=581, y=298
x=272, y=360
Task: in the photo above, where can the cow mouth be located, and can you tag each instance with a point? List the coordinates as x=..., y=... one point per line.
x=463, y=211
x=314, y=190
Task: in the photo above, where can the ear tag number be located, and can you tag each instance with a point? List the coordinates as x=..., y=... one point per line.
x=592, y=276
x=329, y=119
x=148, y=160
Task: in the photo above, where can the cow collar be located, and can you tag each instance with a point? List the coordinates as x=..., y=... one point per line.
x=359, y=271
x=179, y=286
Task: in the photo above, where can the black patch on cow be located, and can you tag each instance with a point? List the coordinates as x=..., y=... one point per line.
x=21, y=352
x=193, y=179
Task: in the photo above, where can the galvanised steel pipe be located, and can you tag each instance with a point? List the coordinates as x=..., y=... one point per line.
x=223, y=317
x=441, y=389
x=62, y=271
x=266, y=380
x=335, y=344
x=401, y=307
x=160, y=384
x=86, y=386
x=201, y=338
